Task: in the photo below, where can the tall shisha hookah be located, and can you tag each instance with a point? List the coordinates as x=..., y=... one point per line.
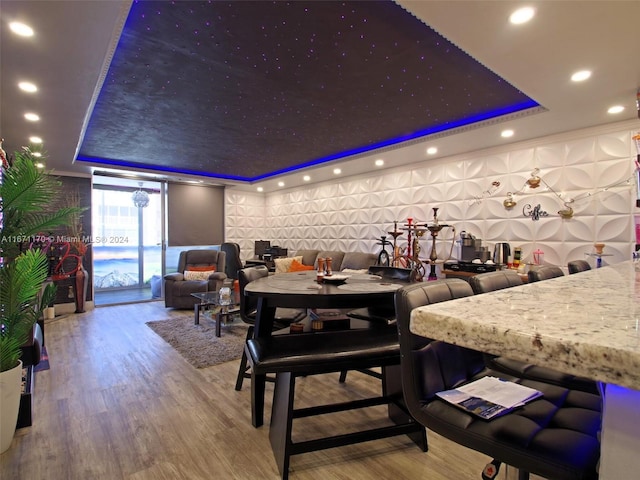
x=435, y=228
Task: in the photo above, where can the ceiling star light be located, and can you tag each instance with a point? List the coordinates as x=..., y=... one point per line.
x=522, y=15
x=140, y=197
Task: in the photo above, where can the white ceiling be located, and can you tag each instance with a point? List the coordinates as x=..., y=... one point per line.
x=73, y=39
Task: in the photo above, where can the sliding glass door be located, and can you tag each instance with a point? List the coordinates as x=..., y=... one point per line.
x=127, y=240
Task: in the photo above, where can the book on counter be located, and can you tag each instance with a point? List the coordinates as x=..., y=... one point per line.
x=490, y=397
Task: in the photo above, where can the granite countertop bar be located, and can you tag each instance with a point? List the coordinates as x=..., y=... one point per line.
x=586, y=324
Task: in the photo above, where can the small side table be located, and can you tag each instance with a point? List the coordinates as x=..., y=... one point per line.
x=210, y=299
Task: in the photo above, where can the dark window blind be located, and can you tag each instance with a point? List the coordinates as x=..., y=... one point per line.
x=195, y=215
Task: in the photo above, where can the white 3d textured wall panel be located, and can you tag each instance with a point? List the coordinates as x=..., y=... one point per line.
x=592, y=170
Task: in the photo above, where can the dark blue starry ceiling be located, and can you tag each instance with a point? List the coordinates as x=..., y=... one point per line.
x=247, y=90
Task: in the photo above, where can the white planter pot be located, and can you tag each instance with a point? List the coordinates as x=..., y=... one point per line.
x=10, y=382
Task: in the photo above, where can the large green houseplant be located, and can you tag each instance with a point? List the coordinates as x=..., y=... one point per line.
x=27, y=199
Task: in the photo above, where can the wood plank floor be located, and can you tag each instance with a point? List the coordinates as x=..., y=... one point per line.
x=119, y=403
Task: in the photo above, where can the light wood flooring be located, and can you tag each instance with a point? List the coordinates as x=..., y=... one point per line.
x=119, y=403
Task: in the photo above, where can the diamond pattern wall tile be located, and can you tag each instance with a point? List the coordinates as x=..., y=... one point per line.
x=613, y=145
x=580, y=229
x=580, y=151
x=522, y=230
x=610, y=172
x=476, y=211
x=491, y=166
x=494, y=209
x=455, y=171
x=354, y=213
x=612, y=228
x=522, y=160
x=553, y=155
x=455, y=211
x=612, y=202
x=547, y=231
x=498, y=229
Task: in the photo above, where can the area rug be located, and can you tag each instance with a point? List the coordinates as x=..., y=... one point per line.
x=198, y=344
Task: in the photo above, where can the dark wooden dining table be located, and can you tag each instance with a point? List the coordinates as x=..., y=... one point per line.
x=300, y=290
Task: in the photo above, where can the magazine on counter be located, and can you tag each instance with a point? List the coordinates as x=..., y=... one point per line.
x=490, y=397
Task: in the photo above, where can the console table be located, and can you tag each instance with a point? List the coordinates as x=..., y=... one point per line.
x=587, y=324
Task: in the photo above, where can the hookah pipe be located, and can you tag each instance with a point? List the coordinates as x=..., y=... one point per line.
x=408, y=228
x=435, y=228
x=395, y=234
x=383, y=254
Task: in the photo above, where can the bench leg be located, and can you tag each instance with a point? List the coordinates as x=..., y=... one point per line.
x=282, y=421
x=257, y=399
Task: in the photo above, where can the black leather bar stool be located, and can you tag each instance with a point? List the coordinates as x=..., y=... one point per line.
x=576, y=266
x=555, y=436
x=544, y=272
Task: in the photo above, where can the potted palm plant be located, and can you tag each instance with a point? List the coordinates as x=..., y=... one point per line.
x=27, y=194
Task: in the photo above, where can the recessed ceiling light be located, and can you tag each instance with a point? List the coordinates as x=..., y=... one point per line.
x=506, y=133
x=32, y=117
x=306, y=178
x=35, y=140
x=39, y=165
x=616, y=109
x=581, y=76
x=337, y=171
x=27, y=87
x=522, y=15
x=281, y=184
x=379, y=162
x=260, y=189
x=21, y=29
x=36, y=154
x=432, y=151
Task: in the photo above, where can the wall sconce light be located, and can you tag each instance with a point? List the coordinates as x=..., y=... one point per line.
x=509, y=202
x=534, y=179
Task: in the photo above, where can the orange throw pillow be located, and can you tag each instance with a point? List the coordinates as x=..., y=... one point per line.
x=296, y=266
x=204, y=268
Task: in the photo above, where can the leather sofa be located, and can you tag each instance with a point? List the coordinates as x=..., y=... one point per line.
x=178, y=290
x=340, y=260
